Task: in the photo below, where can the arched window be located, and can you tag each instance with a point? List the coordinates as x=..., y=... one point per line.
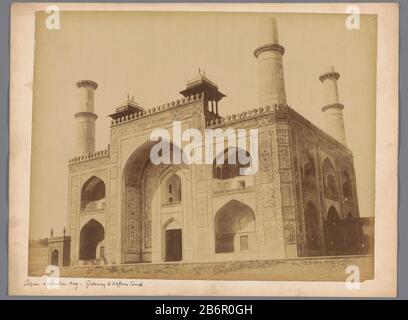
x=172, y=190
x=330, y=184
x=307, y=166
x=93, y=194
x=347, y=186
x=91, y=235
x=312, y=229
x=234, y=228
x=227, y=165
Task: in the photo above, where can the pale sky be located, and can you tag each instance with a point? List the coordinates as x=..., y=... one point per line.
x=152, y=55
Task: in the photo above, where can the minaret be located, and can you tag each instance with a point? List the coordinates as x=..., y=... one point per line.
x=86, y=117
x=332, y=109
x=270, y=67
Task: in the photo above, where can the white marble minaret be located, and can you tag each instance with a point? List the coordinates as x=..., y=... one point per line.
x=86, y=118
x=332, y=108
x=270, y=67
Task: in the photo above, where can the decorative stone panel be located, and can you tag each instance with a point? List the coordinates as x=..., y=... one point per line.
x=286, y=186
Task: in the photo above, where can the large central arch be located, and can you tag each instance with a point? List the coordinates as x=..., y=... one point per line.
x=140, y=185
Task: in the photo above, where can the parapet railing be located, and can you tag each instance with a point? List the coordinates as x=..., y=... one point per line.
x=246, y=115
x=163, y=107
x=257, y=112
x=317, y=128
x=90, y=156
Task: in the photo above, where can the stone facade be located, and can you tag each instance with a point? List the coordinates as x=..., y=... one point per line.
x=292, y=176
x=301, y=202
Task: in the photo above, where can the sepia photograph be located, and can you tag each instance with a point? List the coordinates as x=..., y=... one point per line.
x=205, y=145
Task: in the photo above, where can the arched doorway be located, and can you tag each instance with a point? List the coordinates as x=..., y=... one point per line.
x=234, y=228
x=335, y=232
x=173, y=241
x=92, y=233
x=313, y=230
x=55, y=257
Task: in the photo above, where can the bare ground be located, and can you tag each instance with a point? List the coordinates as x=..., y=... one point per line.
x=300, y=269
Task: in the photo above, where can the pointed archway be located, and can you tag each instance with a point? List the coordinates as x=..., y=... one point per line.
x=93, y=194
x=234, y=228
x=335, y=232
x=140, y=177
x=55, y=257
x=92, y=233
x=330, y=180
x=230, y=163
x=312, y=230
